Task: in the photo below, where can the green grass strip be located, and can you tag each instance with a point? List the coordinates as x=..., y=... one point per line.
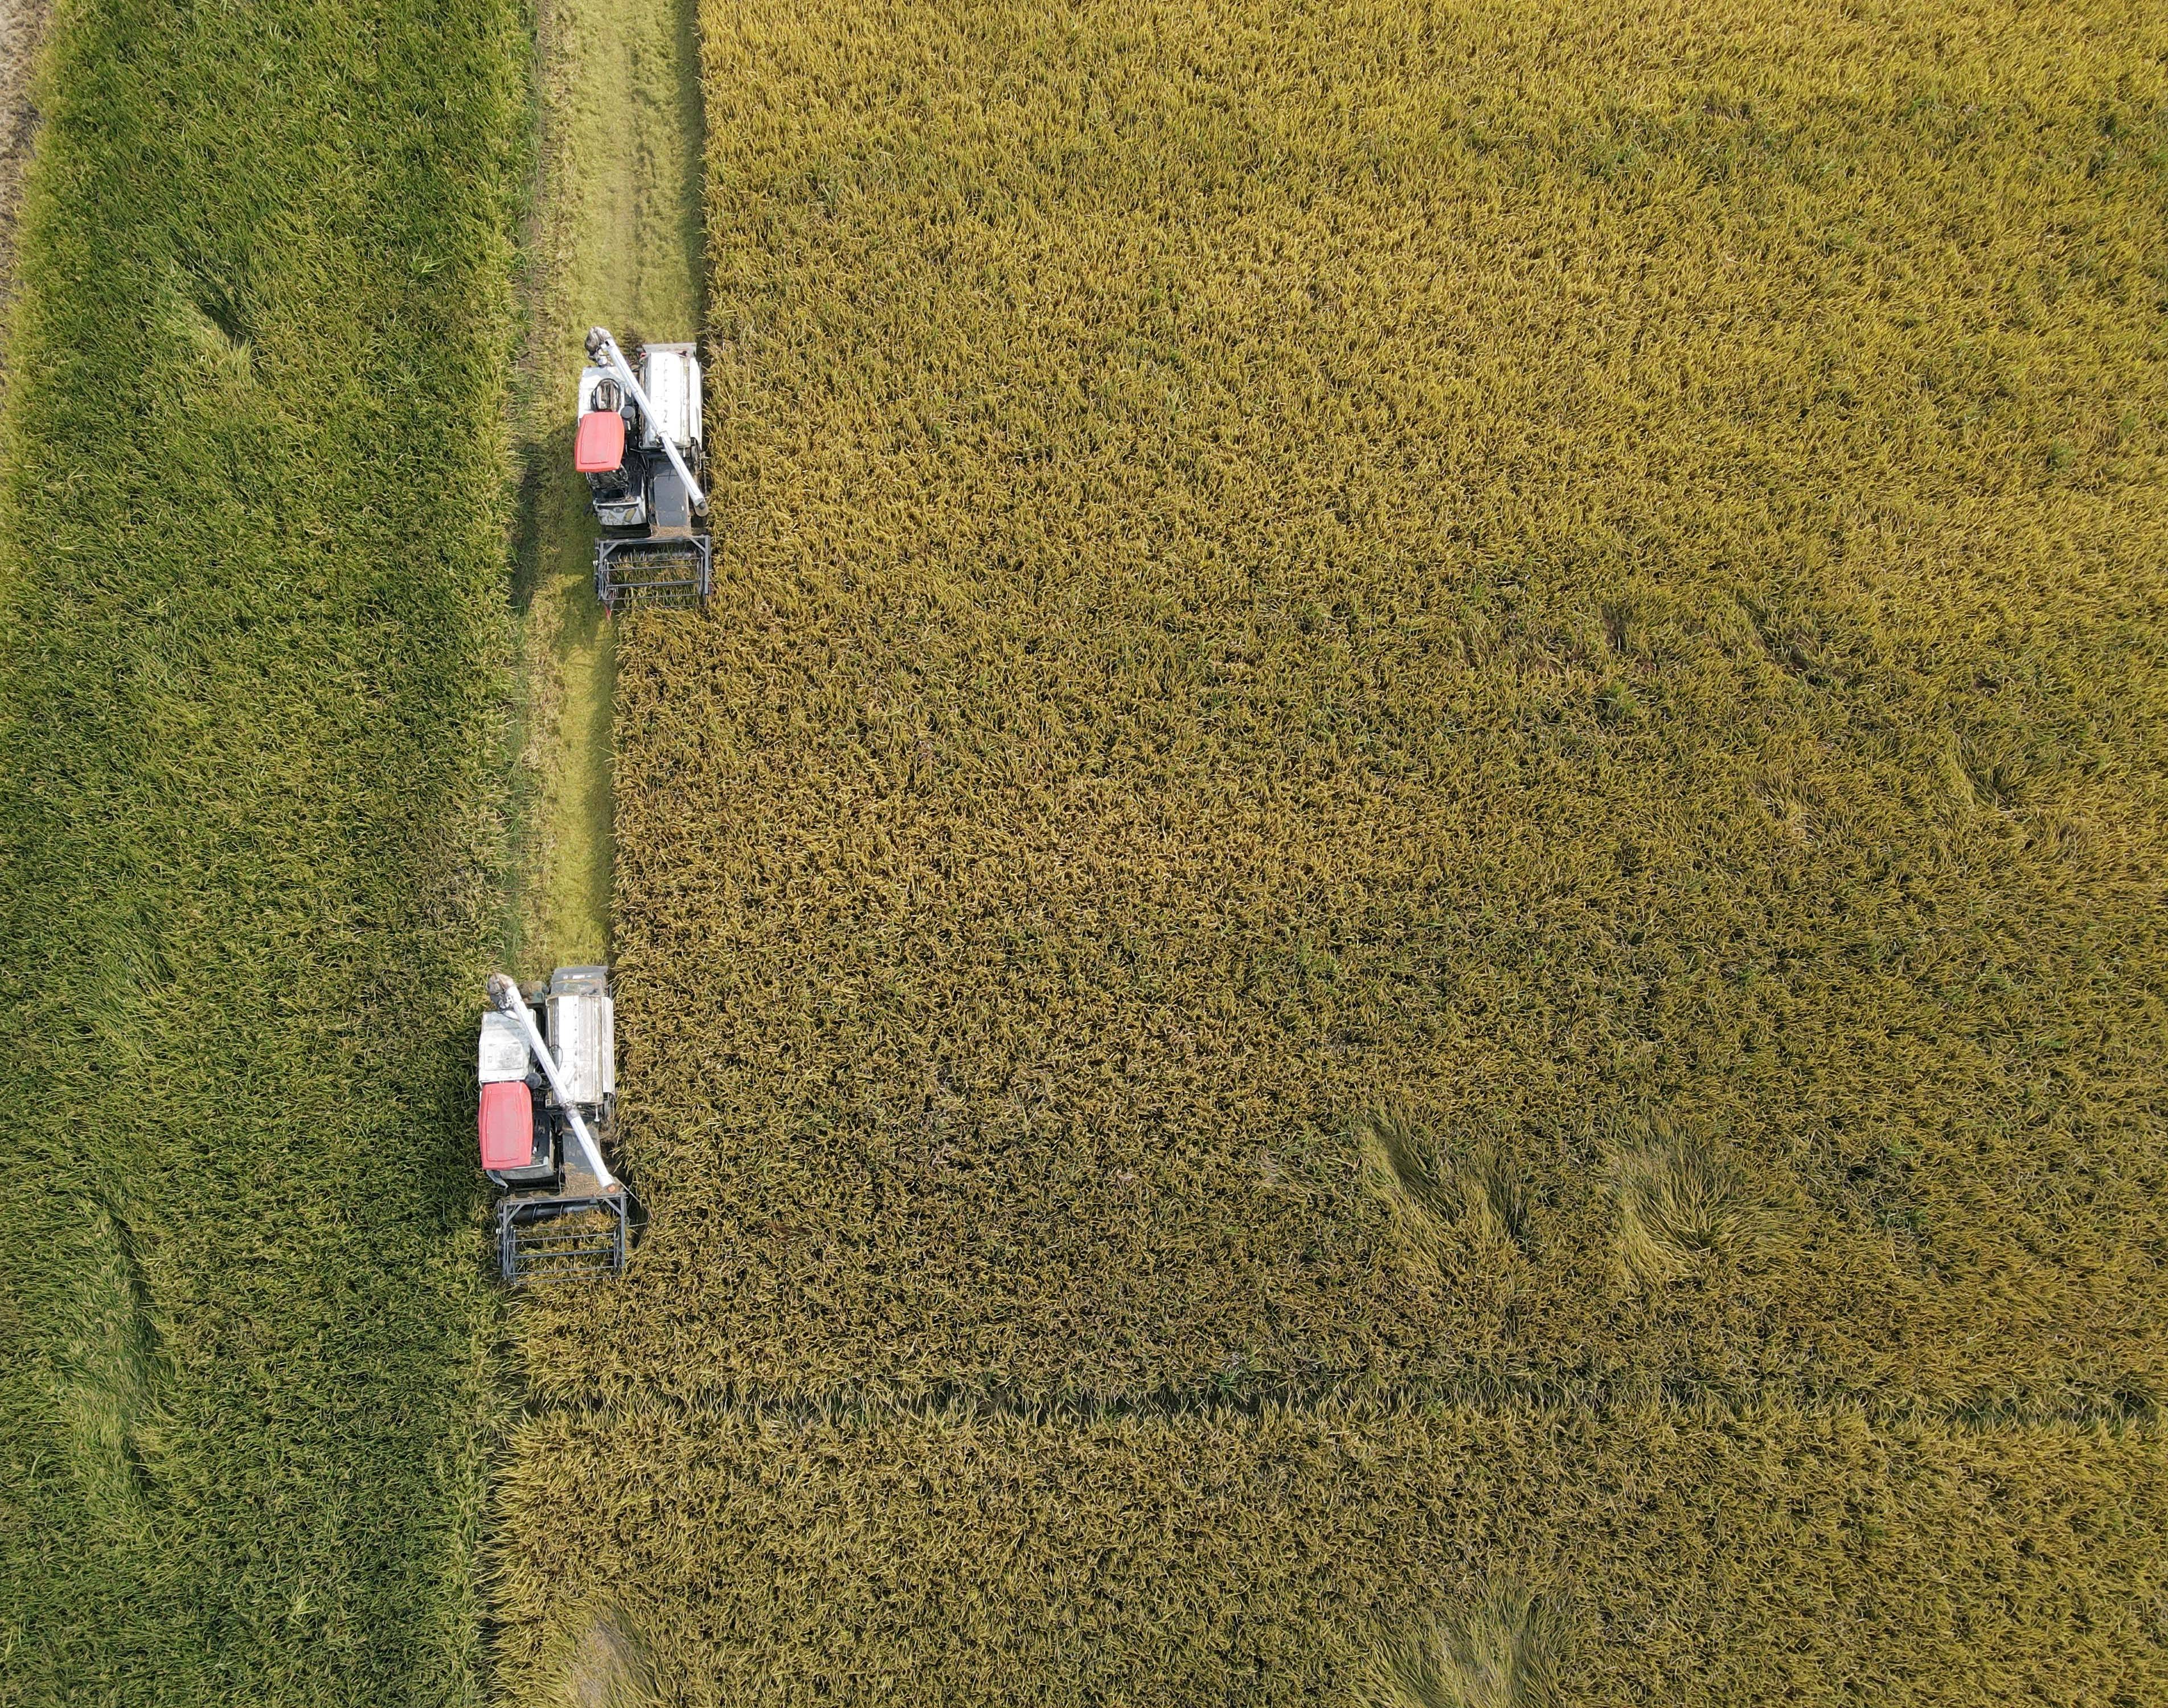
x=252, y=682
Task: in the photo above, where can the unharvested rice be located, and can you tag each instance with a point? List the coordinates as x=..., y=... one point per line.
x=1650, y=1556
x=1591, y=579
x=1397, y=937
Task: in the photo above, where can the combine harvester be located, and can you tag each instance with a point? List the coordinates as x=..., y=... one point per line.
x=549, y=1085
x=639, y=444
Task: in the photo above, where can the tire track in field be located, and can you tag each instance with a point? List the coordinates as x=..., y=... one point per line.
x=22, y=33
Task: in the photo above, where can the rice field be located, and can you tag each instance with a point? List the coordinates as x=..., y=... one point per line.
x=252, y=685
x=1452, y=575
x=1403, y=907
x=1406, y=1560
x=1397, y=939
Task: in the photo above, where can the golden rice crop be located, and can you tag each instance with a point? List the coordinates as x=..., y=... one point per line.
x=1458, y=703
x=1486, y=1558
x=1589, y=577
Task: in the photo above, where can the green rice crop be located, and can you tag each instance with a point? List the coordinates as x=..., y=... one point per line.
x=251, y=683
x=1493, y=1560
x=1583, y=583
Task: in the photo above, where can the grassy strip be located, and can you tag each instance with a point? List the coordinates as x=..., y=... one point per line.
x=254, y=480
x=1593, y=584
x=616, y=242
x=1654, y=1556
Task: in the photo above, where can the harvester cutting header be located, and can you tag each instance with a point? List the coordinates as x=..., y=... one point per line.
x=639, y=444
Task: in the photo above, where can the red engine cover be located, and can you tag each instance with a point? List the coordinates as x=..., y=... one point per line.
x=508, y=1125
x=599, y=448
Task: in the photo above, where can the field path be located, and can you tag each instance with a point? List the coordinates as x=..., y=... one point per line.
x=616, y=239
x=22, y=31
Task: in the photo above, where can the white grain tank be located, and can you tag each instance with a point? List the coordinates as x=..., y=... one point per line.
x=670, y=375
x=583, y=1036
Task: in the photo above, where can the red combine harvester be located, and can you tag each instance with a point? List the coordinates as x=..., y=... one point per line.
x=638, y=442
x=549, y=1086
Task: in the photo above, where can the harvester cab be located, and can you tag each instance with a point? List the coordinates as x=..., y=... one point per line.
x=639, y=444
x=549, y=1090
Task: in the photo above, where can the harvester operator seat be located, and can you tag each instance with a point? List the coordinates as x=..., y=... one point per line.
x=517, y=1143
x=599, y=448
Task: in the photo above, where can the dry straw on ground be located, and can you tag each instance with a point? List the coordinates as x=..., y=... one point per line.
x=597, y=1660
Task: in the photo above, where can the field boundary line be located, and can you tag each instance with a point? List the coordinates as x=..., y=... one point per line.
x=1345, y=1402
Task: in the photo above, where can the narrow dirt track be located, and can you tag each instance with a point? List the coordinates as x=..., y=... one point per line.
x=22, y=33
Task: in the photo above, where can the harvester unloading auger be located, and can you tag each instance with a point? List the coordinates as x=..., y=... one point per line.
x=639, y=443
x=549, y=1085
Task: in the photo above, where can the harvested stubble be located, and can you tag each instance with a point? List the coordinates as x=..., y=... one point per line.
x=251, y=673
x=1649, y=1557
x=1589, y=577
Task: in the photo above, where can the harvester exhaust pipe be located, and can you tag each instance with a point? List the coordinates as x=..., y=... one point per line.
x=604, y=352
x=505, y=995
